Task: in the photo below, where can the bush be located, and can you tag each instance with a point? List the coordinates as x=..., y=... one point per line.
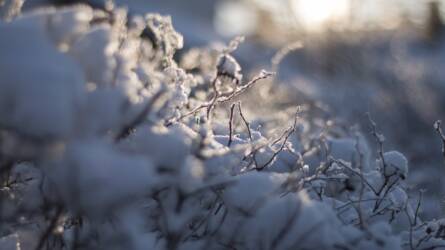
x=108, y=142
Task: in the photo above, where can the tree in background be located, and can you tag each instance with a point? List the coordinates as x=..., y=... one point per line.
x=434, y=25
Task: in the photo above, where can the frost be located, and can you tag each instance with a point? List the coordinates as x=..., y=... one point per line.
x=107, y=142
x=165, y=34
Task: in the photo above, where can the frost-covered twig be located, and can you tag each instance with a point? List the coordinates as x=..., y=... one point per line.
x=283, y=52
x=216, y=94
x=379, y=139
x=221, y=99
x=285, y=135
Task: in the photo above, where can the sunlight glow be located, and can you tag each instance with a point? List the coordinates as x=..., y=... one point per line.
x=316, y=14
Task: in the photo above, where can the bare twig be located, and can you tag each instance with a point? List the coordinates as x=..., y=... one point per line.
x=245, y=121
x=416, y=213
x=362, y=184
x=52, y=225
x=231, y=125
x=411, y=244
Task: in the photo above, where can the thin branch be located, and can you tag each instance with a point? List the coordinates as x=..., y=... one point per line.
x=216, y=94
x=52, y=225
x=362, y=184
x=286, y=136
x=411, y=245
x=246, y=123
x=283, y=52
x=225, y=98
x=351, y=202
x=360, y=175
x=416, y=213
x=231, y=125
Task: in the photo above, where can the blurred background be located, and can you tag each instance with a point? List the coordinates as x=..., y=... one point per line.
x=385, y=57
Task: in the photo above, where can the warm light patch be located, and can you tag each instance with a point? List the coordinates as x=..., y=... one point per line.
x=315, y=14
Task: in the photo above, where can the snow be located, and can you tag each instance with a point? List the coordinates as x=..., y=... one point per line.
x=228, y=66
x=92, y=176
x=399, y=198
x=10, y=242
x=10, y=9
x=350, y=149
x=106, y=137
x=95, y=50
x=396, y=163
x=296, y=209
x=41, y=89
x=171, y=153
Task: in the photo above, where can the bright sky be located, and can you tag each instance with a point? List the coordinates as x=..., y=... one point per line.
x=313, y=14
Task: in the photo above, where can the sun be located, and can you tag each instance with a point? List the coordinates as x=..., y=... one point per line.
x=315, y=14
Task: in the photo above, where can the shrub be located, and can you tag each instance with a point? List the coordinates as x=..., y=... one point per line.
x=107, y=143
